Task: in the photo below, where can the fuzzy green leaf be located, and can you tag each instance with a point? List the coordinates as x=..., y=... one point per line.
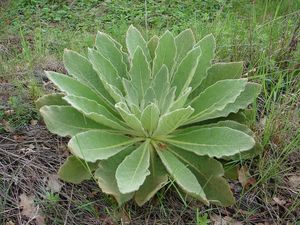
x=133, y=170
x=186, y=70
x=105, y=68
x=73, y=87
x=134, y=39
x=165, y=52
x=75, y=170
x=161, y=84
x=80, y=68
x=184, y=41
x=66, y=121
x=208, y=46
x=221, y=71
x=208, y=172
x=96, y=112
x=105, y=176
x=170, y=121
x=154, y=182
x=150, y=117
x=96, y=145
x=215, y=98
x=214, y=141
x=107, y=47
x=140, y=73
x=152, y=44
x=182, y=175
x=50, y=99
x=130, y=119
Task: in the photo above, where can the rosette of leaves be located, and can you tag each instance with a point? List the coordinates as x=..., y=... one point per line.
x=155, y=112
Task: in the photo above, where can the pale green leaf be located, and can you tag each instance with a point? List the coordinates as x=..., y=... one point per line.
x=114, y=92
x=221, y=71
x=96, y=112
x=149, y=98
x=186, y=70
x=154, y=182
x=66, y=121
x=131, y=93
x=152, y=44
x=182, y=175
x=50, y=99
x=214, y=141
x=165, y=52
x=172, y=120
x=150, y=117
x=105, y=68
x=184, y=41
x=208, y=172
x=96, y=145
x=134, y=39
x=75, y=170
x=257, y=148
x=167, y=101
x=106, y=179
x=181, y=100
x=130, y=119
x=215, y=98
x=140, y=73
x=133, y=170
x=81, y=69
x=161, y=83
x=73, y=87
x=208, y=46
x=107, y=47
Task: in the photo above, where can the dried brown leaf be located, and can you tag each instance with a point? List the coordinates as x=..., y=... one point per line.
x=245, y=178
x=30, y=210
x=54, y=185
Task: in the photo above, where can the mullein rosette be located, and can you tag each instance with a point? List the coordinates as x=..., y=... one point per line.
x=157, y=112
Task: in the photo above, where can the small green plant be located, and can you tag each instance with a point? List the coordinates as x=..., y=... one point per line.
x=159, y=111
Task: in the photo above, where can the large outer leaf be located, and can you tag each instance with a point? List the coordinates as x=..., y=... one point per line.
x=105, y=68
x=134, y=39
x=150, y=117
x=186, y=70
x=96, y=112
x=66, y=121
x=170, y=121
x=50, y=99
x=165, y=52
x=96, y=145
x=221, y=71
x=81, y=69
x=75, y=170
x=154, y=182
x=74, y=87
x=106, y=179
x=208, y=172
x=182, y=175
x=257, y=148
x=140, y=73
x=133, y=170
x=214, y=142
x=215, y=98
x=107, y=47
x=208, y=46
x=184, y=41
